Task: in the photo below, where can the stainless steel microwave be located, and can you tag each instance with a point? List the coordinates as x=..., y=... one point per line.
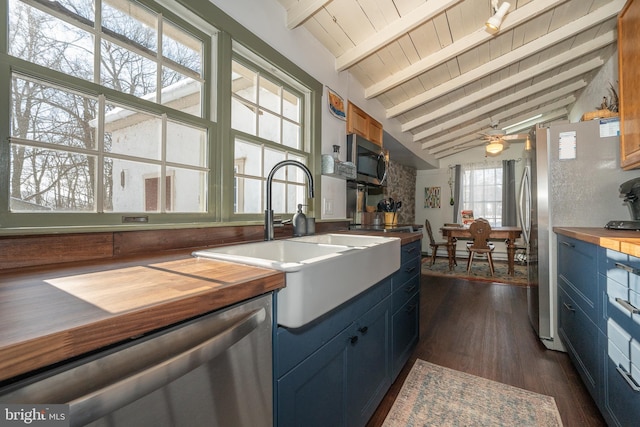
x=371, y=160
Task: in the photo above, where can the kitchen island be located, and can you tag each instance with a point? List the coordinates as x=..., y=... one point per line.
x=51, y=314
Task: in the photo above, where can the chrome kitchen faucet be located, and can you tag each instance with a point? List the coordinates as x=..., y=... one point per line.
x=268, y=213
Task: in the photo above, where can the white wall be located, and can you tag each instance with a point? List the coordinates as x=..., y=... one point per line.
x=591, y=96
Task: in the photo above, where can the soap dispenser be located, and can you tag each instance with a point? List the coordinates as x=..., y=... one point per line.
x=299, y=223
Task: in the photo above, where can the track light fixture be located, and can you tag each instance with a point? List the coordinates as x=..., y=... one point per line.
x=493, y=23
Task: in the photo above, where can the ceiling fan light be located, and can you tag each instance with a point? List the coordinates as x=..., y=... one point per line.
x=495, y=21
x=494, y=148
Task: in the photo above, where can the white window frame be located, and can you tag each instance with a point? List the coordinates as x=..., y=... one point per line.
x=487, y=196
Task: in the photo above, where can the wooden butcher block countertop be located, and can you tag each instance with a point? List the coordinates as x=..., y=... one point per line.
x=627, y=242
x=49, y=316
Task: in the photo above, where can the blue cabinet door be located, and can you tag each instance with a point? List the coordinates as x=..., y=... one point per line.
x=369, y=353
x=314, y=393
x=404, y=333
x=580, y=336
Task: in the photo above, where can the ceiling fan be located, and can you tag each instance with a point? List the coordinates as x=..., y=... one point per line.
x=497, y=140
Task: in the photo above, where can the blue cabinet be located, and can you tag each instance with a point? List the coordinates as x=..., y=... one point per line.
x=599, y=322
x=577, y=308
x=620, y=349
x=335, y=371
x=405, y=319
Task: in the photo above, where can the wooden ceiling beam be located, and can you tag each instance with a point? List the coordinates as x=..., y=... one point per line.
x=576, y=27
x=392, y=32
x=512, y=20
x=516, y=109
x=302, y=11
x=529, y=73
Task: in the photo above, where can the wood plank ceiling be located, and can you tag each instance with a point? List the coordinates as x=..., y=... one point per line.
x=436, y=69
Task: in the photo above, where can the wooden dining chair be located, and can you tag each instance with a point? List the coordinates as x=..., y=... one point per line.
x=432, y=242
x=480, y=230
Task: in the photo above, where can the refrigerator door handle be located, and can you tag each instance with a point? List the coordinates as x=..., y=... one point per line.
x=524, y=208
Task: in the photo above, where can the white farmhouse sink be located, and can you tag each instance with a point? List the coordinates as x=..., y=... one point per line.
x=321, y=272
x=343, y=239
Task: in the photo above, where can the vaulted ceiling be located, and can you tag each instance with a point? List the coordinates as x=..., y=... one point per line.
x=435, y=68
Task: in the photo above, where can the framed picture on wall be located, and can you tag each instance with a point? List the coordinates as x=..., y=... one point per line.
x=336, y=104
x=432, y=197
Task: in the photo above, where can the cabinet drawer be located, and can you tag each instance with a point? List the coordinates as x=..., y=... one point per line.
x=407, y=272
x=622, y=306
x=409, y=251
x=406, y=291
x=580, y=336
x=577, y=273
x=623, y=268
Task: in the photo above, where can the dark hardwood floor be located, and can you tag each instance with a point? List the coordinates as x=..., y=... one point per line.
x=482, y=328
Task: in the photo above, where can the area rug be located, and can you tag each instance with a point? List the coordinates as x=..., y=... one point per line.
x=479, y=271
x=433, y=395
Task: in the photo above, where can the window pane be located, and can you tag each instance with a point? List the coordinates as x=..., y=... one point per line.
x=248, y=159
x=130, y=23
x=269, y=126
x=271, y=157
x=243, y=116
x=291, y=135
x=51, y=180
x=186, y=144
x=190, y=190
x=131, y=186
x=83, y=9
x=133, y=133
x=270, y=95
x=46, y=114
x=296, y=195
x=181, y=47
x=278, y=201
x=248, y=196
x=482, y=192
x=181, y=92
x=296, y=174
x=244, y=82
x=42, y=39
x=291, y=106
x=126, y=71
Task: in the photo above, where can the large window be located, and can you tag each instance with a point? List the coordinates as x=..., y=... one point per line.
x=73, y=150
x=267, y=117
x=114, y=115
x=482, y=191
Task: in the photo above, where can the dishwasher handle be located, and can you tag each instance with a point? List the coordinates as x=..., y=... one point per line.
x=99, y=403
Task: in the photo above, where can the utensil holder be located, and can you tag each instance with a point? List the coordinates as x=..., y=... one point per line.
x=390, y=218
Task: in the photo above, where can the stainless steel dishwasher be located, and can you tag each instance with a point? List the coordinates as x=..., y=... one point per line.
x=215, y=370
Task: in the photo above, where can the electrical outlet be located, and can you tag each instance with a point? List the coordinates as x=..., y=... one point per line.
x=327, y=206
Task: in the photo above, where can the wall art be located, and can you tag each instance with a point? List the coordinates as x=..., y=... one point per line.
x=432, y=197
x=336, y=104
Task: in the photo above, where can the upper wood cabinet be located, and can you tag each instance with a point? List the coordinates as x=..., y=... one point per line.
x=363, y=124
x=629, y=84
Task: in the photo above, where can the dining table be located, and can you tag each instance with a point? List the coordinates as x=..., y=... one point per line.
x=508, y=233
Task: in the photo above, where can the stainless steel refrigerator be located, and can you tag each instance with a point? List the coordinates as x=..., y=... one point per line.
x=571, y=178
